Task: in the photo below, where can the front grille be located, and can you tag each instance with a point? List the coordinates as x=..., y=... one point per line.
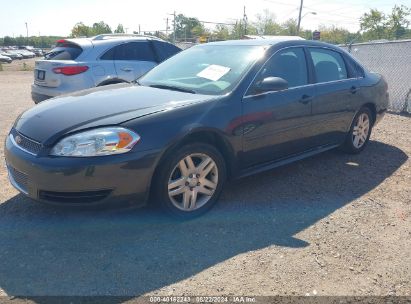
x=25, y=143
x=19, y=179
x=74, y=197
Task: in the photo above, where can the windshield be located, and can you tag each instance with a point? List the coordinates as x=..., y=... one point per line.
x=205, y=69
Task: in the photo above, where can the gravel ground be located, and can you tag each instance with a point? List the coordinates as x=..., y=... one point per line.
x=22, y=65
x=333, y=224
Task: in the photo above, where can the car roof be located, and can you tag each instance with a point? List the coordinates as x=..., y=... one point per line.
x=258, y=40
x=275, y=40
x=109, y=39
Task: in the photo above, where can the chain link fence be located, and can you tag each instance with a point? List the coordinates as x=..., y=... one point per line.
x=393, y=60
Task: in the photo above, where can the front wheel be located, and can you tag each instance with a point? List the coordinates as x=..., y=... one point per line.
x=360, y=132
x=190, y=180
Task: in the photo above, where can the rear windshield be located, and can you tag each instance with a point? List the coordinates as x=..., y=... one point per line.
x=64, y=51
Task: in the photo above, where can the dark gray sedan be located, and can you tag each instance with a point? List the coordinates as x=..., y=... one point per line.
x=213, y=112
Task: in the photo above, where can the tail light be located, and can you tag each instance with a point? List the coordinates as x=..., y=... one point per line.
x=70, y=70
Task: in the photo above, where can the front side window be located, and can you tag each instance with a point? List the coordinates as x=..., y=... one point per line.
x=328, y=65
x=289, y=64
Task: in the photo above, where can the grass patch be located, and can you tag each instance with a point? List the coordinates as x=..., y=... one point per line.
x=26, y=67
x=1, y=67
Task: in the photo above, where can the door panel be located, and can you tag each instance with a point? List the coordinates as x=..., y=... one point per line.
x=133, y=59
x=333, y=110
x=278, y=124
x=335, y=93
x=131, y=70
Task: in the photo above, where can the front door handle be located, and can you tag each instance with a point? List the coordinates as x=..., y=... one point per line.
x=127, y=69
x=305, y=99
x=354, y=89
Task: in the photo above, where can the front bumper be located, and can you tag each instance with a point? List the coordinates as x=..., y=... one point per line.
x=379, y=116
x=81, y=181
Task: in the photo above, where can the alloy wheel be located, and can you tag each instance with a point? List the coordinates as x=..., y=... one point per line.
x=193, y=182
x=361, y=131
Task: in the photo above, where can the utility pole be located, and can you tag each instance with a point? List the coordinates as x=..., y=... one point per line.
x=299, y=17
x=245, y=22
x=167, y=28
x=27, y=34
x=139, y=29
x=174, y=27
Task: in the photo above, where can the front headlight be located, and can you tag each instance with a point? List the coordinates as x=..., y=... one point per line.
x=97, y=142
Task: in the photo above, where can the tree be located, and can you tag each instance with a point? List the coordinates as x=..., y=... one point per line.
x=266, y=24
x=336, y=35
x=398, y=22
x=80, y=30
x=119, y=29
x=238, y=30
x=188, y=27
x=289, y=28
x=198, y=30
x=8, y=41
x=221, y=32
x=100, y=28
x=374, y=24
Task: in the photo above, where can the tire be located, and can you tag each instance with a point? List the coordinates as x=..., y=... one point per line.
x=183, y=188
x=356, y=142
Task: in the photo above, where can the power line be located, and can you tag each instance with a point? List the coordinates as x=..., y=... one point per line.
x=218, y=23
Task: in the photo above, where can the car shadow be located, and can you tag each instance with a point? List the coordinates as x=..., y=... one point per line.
x=49, y=251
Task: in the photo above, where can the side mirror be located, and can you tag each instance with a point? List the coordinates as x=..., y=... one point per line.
x=271, y=84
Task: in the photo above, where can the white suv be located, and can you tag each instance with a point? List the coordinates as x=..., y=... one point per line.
x=82, y=63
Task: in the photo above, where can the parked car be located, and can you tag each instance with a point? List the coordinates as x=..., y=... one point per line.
x=215, y=111
x=77, y=64
x=38, y=52
x=4, y=58
x=13, y=54
x=26, y=54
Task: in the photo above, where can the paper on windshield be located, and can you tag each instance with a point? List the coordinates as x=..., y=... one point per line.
x=214, y=72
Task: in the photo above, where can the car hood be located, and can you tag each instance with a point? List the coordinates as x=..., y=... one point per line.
x=108, y=105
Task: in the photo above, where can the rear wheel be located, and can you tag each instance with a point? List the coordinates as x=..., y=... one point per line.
x=360, y=132
x=190, y=180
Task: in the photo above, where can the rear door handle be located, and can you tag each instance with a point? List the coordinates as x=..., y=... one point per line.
x=127, y=69
x=354, y=89
x=305, y=99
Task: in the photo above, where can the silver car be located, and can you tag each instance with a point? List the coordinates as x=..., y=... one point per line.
x=82, y=63
x=4, y=58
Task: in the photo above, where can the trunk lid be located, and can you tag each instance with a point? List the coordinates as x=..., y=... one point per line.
x=66, y=53
x=44, y=75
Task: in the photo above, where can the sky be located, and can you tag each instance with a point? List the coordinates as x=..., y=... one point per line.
x=54, y=17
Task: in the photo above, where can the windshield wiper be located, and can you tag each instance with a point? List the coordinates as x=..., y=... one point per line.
x=173, y=88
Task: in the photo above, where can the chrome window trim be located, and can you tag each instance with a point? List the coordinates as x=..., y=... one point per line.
x=245, y=96
x=271, y=92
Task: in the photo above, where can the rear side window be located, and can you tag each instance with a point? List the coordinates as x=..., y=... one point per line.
x=329, y=65
x=136, y=51
x=64, y=51
x=355, y=69
x=165, y=50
